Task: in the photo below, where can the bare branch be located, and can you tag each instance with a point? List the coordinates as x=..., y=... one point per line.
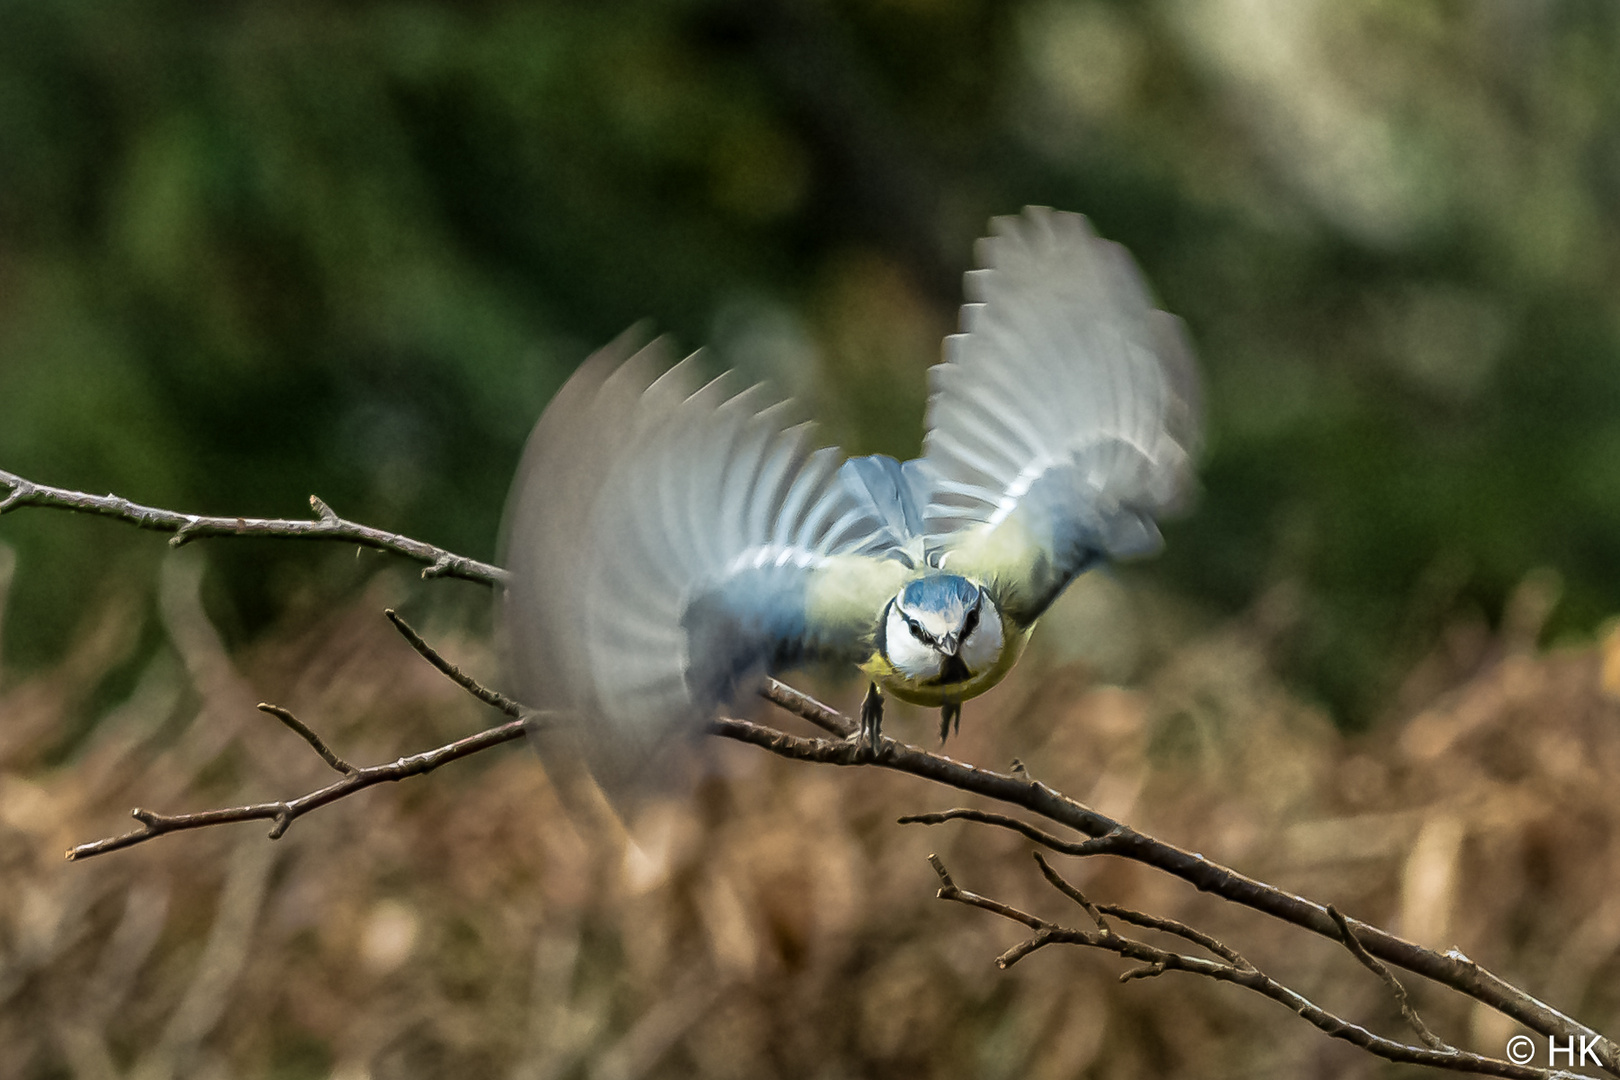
x=308, y=736
x=1397, y=991
x=1153, y=961
x=1100, y=845
x=1451, y=969
x=20, y=490
x=283, y=814
x=453, y=673
x=1179, y=929
x=187, y=527
x=949, y=890
x=807, y=708
x=355, y=779
x=1058, y=882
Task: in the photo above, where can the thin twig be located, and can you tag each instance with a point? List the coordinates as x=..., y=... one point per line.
x=308, y=736
x=284, y=814
x=806, y=707
x=1099, y=845
x=1062, y=885
x=327, y=525
x=453, y=673
x=1180, y=930
x=1397, y=991
x=948, y=890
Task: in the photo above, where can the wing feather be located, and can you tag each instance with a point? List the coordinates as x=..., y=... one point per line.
x=668, y=539
x=1064, y=419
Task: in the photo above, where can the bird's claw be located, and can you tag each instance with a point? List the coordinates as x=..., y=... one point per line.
x=950, y=720
x=871, y=720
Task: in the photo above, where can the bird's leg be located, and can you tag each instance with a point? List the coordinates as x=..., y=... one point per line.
x=872, y=716
x=950, y=719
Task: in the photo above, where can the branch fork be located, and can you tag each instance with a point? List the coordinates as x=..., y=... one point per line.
x=1231, y=967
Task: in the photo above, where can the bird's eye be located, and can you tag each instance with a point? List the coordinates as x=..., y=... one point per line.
x=916, y=630
x=970, y=623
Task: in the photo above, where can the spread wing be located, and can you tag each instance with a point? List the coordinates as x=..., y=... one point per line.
x=670, y=542
x=1064, y=418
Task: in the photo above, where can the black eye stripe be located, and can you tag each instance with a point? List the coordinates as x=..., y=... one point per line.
x=970, y=623
x=915, y=627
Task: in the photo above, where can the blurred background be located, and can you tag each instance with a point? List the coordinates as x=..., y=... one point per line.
x=253, y=251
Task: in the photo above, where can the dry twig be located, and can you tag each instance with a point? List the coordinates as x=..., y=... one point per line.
x=1097, y=845
x=284, y=813
x=1232, y=968
x=187, y=527
x=354, y=779
x=1396, y=990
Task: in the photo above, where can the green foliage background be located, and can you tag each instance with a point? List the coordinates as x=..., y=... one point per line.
x=250, y=251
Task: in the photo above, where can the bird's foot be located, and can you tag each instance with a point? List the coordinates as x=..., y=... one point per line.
x=950, y=720
x=871, y=720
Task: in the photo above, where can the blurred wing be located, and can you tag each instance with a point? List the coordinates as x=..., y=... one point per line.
x=669, y=543
x=1064, y=418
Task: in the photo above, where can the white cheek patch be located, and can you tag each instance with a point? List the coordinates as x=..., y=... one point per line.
x=910, y=657
x=982, y=648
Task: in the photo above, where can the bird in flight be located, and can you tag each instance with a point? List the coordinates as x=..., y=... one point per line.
x=670, y=542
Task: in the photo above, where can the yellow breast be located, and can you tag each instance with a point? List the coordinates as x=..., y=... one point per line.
x=884, y=674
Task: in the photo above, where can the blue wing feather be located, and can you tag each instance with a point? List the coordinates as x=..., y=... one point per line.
x=890, y=494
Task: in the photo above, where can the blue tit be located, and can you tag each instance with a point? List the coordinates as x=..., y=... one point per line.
x=671, y=542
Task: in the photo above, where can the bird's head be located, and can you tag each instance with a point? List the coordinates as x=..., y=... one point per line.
x=942, y=629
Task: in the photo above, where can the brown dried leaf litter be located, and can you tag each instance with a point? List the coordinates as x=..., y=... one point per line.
x=781, y=924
